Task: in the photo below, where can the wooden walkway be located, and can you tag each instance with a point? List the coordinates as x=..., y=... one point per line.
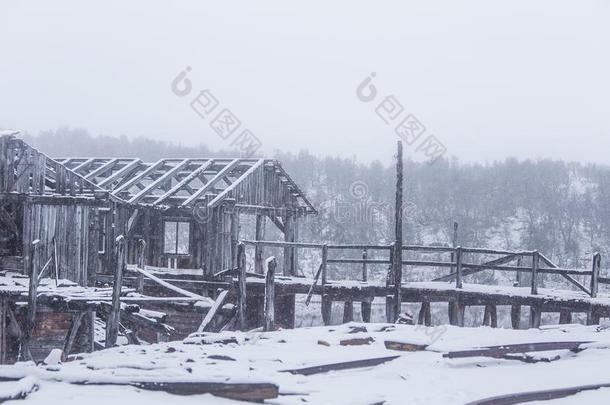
x=451, y=288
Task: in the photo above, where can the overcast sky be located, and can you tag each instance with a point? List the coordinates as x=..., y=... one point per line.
x=489, y=79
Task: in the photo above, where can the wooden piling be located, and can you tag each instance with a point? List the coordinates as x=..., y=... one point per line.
x=270, y=295
x=565, y=317
x=348, y=311
x=456, y=312
x=490, y=317
x=365, y=305
x=515, y=316
x=535, y=316
x=425, y=316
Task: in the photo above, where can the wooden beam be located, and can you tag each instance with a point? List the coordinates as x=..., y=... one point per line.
x=277, y=222
x=208, y=186
x=340, y=366
x=218, y=199
x=86, y=163
x=207, y=320
x=167, y=176
x=502, y=350
x=102, y=169
x=121, y=173
x=71, y=336
x=542, y=395
x=199, y=171
x=112, y=324
x=138, y=178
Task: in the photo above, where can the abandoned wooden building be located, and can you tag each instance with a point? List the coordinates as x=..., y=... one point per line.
x=180, y=214
x=93, y=250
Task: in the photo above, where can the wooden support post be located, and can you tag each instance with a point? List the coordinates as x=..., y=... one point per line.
x=289, y=251
x=454, y=241
x=389, y=298
x=535, y=266
x=241, y=286
x=593, y=317
x=234, y=233
x=456, y=313
x=519, y=278
x=3, y=340
x=72, y=331
x=535, y=316
x=112, y=323
x=258, y=249
x=515, y=316
x=595, y=268
x=30, y=321
x=141, y=263
x=348, y=311
x=425, y=317
x=490, y=318
x=458, y=267
x=365, y=305
x=270, y=295
x=91, y=331
x=327, y=303
x=565, y=317
x=398, y=234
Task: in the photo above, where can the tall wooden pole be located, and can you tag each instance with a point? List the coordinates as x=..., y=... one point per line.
x=398, y=233
x=112, y=322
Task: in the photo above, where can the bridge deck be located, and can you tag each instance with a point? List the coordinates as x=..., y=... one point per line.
x=548, y=300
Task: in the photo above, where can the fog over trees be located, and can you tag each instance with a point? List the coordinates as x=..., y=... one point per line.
x=559, y=208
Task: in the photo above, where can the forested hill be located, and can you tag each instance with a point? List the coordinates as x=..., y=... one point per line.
x=561, y=209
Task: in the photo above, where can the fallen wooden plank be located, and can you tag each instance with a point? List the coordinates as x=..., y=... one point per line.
x=357, y=341
x=404, y=346
x=205, y=324
x=168, y=285
x=347, y=365
x=501, y=351
x=543, y=395
x=255, y=392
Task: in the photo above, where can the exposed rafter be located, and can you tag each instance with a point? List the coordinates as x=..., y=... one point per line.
x=218, y=199
x=208, y=186
x=180, y=183
x=163, y=178
x=184, y=182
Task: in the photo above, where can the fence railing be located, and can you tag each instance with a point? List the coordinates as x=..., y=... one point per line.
x=456, y=263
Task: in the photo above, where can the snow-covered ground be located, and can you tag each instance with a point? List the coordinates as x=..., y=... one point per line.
x=423, y=377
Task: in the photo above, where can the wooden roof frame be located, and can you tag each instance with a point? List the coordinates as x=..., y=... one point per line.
x=178, y=182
